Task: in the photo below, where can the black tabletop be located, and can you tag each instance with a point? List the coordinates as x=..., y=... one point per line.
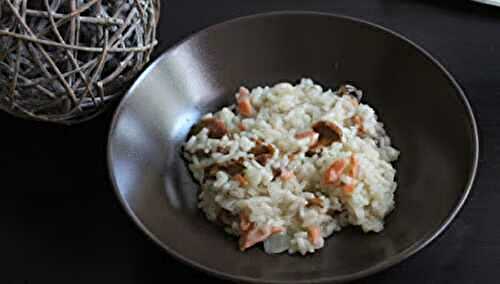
x=60, y=220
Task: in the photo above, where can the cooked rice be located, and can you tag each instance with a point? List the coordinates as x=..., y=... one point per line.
x=302, y=164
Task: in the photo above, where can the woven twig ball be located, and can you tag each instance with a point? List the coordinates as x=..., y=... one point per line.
x=64, y=61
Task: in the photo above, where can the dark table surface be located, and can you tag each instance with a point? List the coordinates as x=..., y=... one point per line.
x=60, y=220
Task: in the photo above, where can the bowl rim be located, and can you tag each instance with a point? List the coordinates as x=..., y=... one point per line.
x=488, y=2
x=406, y=253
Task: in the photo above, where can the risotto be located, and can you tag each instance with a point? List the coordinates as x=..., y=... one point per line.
x=287, y=166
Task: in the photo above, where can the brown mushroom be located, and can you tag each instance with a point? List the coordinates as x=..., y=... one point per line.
x=210, y=172
x=245, y=107
x=328, y=132
x=262, y=152
x=276, y=172
x=334, y=212
x=316, y=201
x=223, y=150
x=241, y=179
x=232, y=168
x=349, y=90
x=309, y=153
x=358, y=122
x=216, y=128
x=200, y=153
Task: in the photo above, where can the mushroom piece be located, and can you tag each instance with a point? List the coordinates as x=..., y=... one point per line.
x=262, y=152
x=328, y=132
x=315, y=201
x=349, y=90
x=358, y=122
x=216, y=128
x=232, y=168
x=200, y=153
x=245, y=107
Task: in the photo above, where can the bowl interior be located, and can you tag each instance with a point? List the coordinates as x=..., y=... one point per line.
x=422, y=108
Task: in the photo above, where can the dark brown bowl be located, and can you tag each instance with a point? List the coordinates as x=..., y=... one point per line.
x=424, y=110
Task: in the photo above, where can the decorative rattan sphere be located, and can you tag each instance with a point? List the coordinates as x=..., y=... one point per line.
x=64, y=61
